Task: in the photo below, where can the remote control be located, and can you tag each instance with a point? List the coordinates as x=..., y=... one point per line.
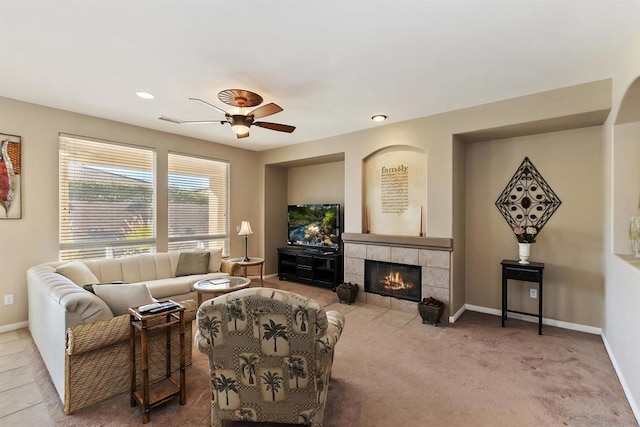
x=148, y=307
x=163, y=307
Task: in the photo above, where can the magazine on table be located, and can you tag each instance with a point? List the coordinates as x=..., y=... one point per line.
x=215, y=283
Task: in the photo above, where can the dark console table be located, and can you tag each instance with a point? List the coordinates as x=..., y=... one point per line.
x=531, y=272
x=313, y=266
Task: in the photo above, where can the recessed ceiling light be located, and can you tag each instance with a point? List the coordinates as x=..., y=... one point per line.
x=145, y=95
x=379, y=118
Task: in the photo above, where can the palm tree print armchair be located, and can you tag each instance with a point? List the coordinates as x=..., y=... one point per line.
x=270, y=354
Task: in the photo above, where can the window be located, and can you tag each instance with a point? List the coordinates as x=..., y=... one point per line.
x=107, y=199
x=198, y=203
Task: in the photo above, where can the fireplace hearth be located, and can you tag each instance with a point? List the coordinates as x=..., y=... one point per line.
x=392, y=279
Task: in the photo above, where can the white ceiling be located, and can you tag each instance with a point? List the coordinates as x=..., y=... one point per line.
x=330, y=64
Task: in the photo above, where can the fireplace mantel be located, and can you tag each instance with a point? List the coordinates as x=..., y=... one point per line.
x=436, y=243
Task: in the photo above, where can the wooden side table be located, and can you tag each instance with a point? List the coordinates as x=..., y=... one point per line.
x=168, y=388
x=253, y=261
x=531, y=272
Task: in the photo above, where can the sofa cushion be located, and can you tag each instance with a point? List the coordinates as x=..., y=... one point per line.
x=77, y=272
x=215, y=260
x=106, y=269
x=167, y=288
x=120, y=297
x=193, y=263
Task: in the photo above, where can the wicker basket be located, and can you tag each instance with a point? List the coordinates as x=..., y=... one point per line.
x=430, y=314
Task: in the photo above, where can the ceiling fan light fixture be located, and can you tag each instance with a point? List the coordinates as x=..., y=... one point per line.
x=379, y=118
x=240, y=129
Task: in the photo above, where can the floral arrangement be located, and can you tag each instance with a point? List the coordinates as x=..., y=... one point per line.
x=525, y=234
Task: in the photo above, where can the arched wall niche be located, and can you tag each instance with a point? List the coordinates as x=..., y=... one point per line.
x=395, y=191
x=626, y=172
x=630, y=106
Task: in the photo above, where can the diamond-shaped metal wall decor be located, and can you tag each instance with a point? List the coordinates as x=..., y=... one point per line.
x=527, y=200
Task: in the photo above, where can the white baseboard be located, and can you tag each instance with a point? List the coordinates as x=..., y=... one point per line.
x=452, y=319
x=634, y=406
x=534, y=319
x=13, y=326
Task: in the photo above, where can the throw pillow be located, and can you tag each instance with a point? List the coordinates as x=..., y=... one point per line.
x=120, y=297
x=90, y=287
x=77, y=272
x=193, y=263
x=215, y=260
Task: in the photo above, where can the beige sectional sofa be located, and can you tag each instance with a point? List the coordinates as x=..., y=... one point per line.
x=85, y=347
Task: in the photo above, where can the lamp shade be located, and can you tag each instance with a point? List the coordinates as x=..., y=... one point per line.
x=245, y=229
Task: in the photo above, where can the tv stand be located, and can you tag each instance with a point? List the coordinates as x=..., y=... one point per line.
x=316, y=266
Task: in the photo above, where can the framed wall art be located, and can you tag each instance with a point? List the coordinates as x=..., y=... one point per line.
x=527, y=200
x=10, y=176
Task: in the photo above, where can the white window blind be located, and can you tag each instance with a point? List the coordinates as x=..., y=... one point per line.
x=198, y=203
x=107, y=199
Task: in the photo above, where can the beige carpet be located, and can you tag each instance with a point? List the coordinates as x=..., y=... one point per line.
x=391, y=370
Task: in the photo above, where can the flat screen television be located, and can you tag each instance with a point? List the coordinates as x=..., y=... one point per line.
x=314, y=225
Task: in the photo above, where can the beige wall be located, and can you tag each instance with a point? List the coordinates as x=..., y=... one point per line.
x=570, y=244
x=621, y=333
x=34, y=238
x=458, y=289
x=323, y=183
x=626, y=176
x=563, y=108
x=275, y=215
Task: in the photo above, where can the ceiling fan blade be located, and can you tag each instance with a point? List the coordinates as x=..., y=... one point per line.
x=209, y=104
x=242, y=135
x=190, y=122
x=275, y=126
x=265, y=110
x=171, y=119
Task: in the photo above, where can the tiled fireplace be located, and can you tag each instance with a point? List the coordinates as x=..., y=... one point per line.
x=432, y=256
x=392, y=279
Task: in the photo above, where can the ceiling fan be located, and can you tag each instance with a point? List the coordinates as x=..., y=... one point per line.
x=240, y=123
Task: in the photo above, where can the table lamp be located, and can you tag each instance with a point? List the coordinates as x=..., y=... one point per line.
x=245, y=230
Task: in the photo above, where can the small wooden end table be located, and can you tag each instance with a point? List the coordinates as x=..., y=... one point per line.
x=253, y=262
x=216, y=287
x=168, y=388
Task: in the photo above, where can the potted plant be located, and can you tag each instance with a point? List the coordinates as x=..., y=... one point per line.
x=347, y=292
x=430, y=310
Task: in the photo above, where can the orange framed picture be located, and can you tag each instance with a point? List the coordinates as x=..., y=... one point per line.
x=10, y=176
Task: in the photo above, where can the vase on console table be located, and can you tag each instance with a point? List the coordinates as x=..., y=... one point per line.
x=524, y=250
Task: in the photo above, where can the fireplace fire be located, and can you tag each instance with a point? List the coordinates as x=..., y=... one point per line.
x=392, y=279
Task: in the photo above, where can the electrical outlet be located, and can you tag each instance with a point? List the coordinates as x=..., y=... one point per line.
x=533, y=293
x=8, y=299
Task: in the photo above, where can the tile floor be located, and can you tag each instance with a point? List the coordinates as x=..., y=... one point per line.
x=21, y=400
